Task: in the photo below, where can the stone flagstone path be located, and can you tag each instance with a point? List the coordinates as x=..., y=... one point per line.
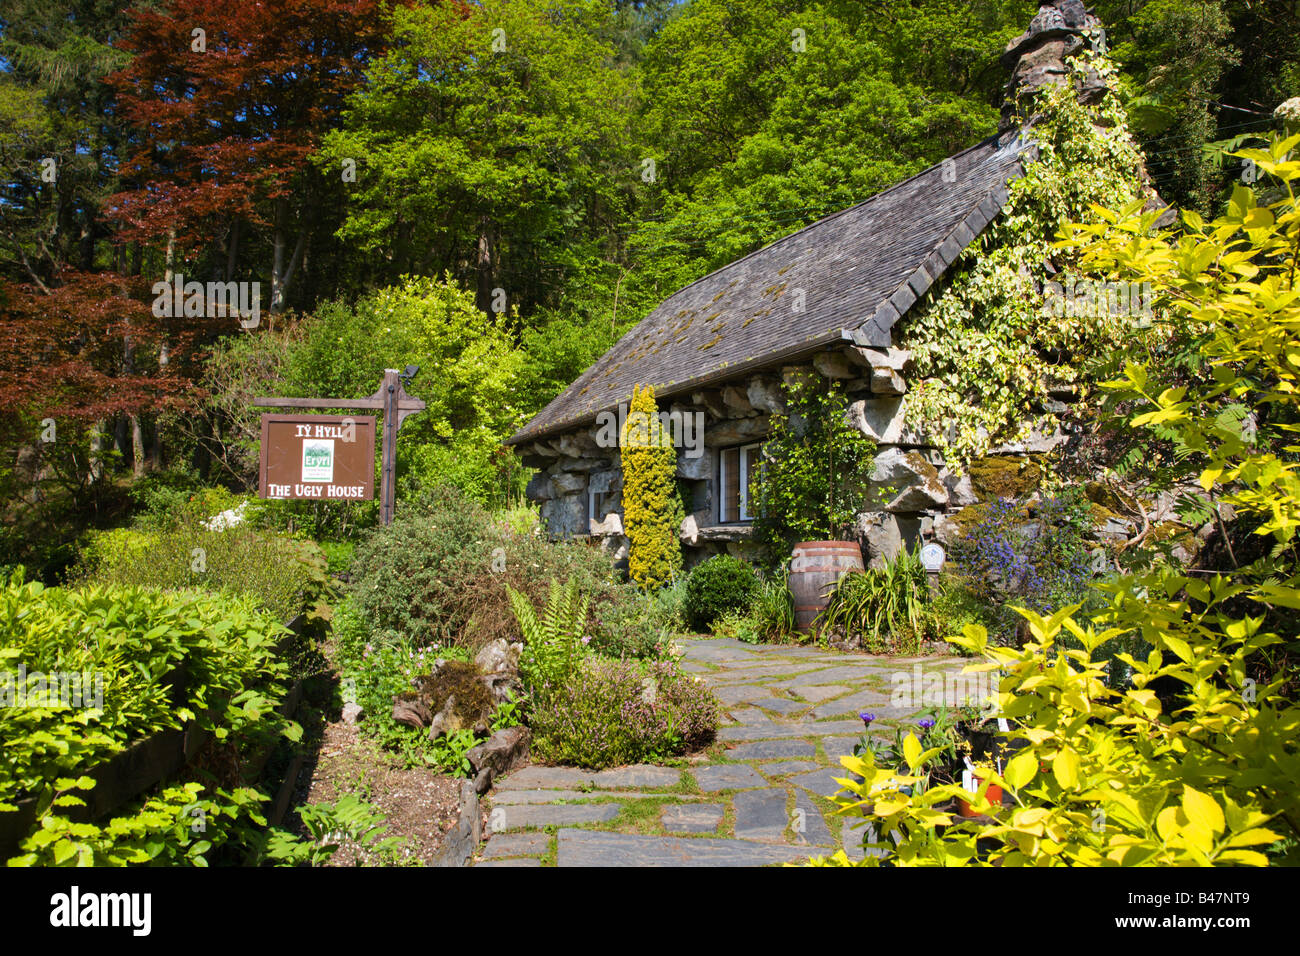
x=792, y=712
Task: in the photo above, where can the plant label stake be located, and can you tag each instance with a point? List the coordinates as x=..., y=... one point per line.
x=328, y=458
x=932, y=558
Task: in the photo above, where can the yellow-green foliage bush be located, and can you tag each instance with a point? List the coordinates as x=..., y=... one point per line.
x=652, y=512
x=1204, y=775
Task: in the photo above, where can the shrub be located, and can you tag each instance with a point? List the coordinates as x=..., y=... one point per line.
x=1209, y=779
x=773, y=611
x=888, y=607
x=652, y=511
x=640, y=625
x=722, y=583
x=815, y=473
x=276, y=574
x=619, y=712
x=133, y=641
x=438, y=574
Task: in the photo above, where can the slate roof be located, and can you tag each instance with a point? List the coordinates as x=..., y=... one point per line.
x=859, y=270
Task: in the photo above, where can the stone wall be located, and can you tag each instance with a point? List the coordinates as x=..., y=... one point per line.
x=913, y=494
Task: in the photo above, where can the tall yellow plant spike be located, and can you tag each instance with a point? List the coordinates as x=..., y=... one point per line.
x=651, y=512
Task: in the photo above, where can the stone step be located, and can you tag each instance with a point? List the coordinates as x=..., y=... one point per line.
x=602, y=848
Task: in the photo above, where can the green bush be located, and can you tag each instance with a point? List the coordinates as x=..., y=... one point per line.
x=722, y=583
x=816, y=471
x=438, y=574
x=640, y=625
x=620, y=712
x=132, y=641
x=282, y=576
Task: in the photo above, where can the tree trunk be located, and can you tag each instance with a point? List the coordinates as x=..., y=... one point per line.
x=282, y=274
x=486, y=265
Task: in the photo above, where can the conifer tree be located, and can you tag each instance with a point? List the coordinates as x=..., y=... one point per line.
x=652, y=513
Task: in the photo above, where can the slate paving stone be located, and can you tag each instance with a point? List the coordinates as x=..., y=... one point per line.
x=868, y=700
x=815, y=830
x=696, y=818
x=511, y=797
x=739, y=693
x=516, y=861
x=821, y=781
x=771, y=731
x=816, y=695
x=570, y=778
x=744, y=717
x=553, y=814
x=516, y=844
x=778, y=768
x=600, y=848
x=727, y=777
x=639, y=776
x=781, y=705
x=772, y=749
x=854, y=675
x=545, y=778
x=761, y=814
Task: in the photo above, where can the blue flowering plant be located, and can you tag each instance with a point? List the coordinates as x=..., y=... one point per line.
x=1028, y=553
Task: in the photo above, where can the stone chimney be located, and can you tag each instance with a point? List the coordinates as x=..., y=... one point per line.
x=1037, y=57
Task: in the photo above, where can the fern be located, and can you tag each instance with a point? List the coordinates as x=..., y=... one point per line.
x=553, y=639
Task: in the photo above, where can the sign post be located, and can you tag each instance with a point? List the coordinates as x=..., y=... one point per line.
x=332, y=458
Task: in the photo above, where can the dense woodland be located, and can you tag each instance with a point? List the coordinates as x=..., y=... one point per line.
x=513, y=184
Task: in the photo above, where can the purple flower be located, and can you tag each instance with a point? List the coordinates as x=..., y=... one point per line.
x=925, y=723
x=867, y=718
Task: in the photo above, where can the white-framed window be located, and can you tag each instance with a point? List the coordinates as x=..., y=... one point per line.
x=599, y=497
x=737, y=467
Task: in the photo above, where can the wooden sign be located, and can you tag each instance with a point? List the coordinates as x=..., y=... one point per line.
x=391, y=399
x=318, y=457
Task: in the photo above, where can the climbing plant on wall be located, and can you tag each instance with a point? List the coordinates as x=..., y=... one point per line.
x=990, y=343
x=652, y=511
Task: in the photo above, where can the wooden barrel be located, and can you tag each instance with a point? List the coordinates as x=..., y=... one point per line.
x=814, y=569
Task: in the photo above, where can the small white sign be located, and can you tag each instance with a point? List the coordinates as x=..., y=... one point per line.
x=932, y=557
x=318, y=459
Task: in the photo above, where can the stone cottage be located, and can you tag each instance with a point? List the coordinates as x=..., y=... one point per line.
x=825, y=301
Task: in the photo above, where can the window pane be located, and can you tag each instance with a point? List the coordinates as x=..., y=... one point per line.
x=730, y=484
x=752, y=463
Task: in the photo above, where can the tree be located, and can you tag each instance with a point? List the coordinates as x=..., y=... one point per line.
x=227, y=103
x=766, y=116
x=1203, y=774
x=491, y=142
x=652, y=511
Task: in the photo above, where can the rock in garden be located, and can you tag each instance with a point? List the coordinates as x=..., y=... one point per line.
x=503, y=752
x=412, y=712
x=446, y=721
x=352, y=713
x=498, y=657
